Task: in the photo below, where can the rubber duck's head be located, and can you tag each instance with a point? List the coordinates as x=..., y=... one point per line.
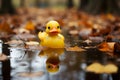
x=53, y=27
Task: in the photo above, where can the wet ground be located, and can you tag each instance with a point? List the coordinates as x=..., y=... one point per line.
x=65, y=65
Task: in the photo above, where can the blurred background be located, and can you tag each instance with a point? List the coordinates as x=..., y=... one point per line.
x=94, y=6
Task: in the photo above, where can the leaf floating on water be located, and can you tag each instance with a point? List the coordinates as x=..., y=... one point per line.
x=3, y=57
x=106, y=46
x=75, y=48
x=95, y=67
x=14, y=42
x=110, y=68
x=99, y=68
x=103, y=46
x=27, y=74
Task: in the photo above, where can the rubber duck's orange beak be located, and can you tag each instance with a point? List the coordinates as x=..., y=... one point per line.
x=54, y=66
x=54, y=30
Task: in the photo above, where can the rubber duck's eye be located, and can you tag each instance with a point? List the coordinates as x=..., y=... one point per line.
x=58, y=27
x=58, y=66
x=48, y=27
x=49, y=66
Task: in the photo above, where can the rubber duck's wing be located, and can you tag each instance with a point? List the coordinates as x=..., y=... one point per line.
x=61, y=36
x=42, y=35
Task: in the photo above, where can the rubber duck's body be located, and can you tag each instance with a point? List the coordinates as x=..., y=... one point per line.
x=51, y=37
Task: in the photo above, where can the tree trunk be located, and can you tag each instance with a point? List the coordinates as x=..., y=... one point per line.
x=7, y=7
x=82, y=4
x=70, y=3
x=37, y=3
x=22, y=3
x=100, y=6
x=113, y=6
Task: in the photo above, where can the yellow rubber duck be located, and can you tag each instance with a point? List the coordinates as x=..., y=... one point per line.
x=51, y=37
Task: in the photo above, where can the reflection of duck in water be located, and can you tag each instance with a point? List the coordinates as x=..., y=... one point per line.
x=52, y=62
x=51, y=37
